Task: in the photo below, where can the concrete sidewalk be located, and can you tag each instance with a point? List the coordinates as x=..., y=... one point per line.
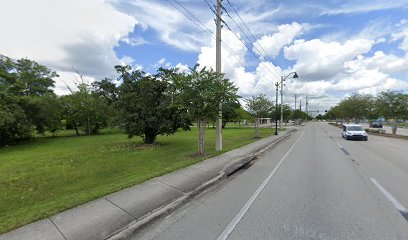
x=118, y=215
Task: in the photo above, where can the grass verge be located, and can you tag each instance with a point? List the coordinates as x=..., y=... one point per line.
x=53, y=174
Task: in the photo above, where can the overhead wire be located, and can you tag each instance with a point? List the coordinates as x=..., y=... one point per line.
x=203, y=27
x=197, y=22
x=253, y=36
x=261, y=62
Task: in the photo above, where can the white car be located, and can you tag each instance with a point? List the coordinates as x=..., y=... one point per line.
x=354, y=132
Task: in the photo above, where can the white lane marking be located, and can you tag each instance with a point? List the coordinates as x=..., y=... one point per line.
x=394, y=201
x=227, y=231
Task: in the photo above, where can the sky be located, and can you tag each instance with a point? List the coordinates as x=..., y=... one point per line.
x=337, y=47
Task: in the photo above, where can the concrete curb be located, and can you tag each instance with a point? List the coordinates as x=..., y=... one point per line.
x=119, y=215
x=228, y=169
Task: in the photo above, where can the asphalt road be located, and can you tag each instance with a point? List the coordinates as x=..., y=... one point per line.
x=314, y=185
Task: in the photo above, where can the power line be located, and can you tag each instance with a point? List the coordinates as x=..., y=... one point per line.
x=202, y=26
x=197, y=22
x=279, y=73
x=209, y=5
x=253, y=36
x=266, y=66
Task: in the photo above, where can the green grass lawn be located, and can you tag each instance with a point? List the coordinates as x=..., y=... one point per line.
x=52, y=174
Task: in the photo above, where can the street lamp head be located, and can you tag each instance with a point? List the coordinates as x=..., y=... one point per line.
x=295, y=76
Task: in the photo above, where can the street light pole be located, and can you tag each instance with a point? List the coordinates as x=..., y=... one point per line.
x=276, y=109
x=282, y=80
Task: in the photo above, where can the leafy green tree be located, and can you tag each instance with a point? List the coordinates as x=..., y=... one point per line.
x=14, y=125
x=259, y=106
x=44, y=112
x=31, y=78
x=393, y=105
x=27, y=99
x=299, y=114
x=229, y=112
x=201, y=93
x=85, y=110
x=355, y=107
x=287, y=112
x=242, y=114
x=146, y=104
x=106, y=89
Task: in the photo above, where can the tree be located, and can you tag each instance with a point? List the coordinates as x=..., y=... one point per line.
x=14, y=125
x=106, y=89
x=394, y=105
x=355, y=107
x=85, y=110
x=242, y=114
x=146, y=104
x=319, y=117
x=201, y=93
x=31, y=78
x=44, y=112
x=27, y=100
x=287, y=112
x=108, y=92
x=259, y=106
x=229, y=112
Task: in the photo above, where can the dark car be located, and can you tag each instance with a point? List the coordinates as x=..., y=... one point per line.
x=376, y=124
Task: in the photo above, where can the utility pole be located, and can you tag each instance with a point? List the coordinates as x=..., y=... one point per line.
x=306, y=108
x=300, y=104
x=281, y=120
x=276, y=109
x=295, y=101
x=218, y=138
x=293, y=112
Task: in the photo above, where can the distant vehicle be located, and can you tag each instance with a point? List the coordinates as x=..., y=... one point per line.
x=376, y=124
x=354, y=132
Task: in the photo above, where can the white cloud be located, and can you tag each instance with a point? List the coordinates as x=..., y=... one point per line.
x=172, y=27
x=402, y=22
x=65, y=35
x=355, y=7
x=385, y=63
x=371, y=75
x=273, y=43
x=182, y=67
x=332, y=67
x=67, y=82
x=318, y=60
x=233, y=65
x=403, y=36
x=229, y=60
x=162, y=61
x=134, y=41
x=245, y=81
x=362, y=78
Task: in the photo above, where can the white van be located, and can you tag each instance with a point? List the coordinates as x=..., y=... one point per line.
x=354, y=132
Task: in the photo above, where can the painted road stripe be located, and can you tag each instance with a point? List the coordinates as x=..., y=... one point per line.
x=403, y=210
x=227, y=231
x=345, y=151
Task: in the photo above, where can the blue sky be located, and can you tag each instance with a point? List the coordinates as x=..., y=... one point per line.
x=337, y=47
